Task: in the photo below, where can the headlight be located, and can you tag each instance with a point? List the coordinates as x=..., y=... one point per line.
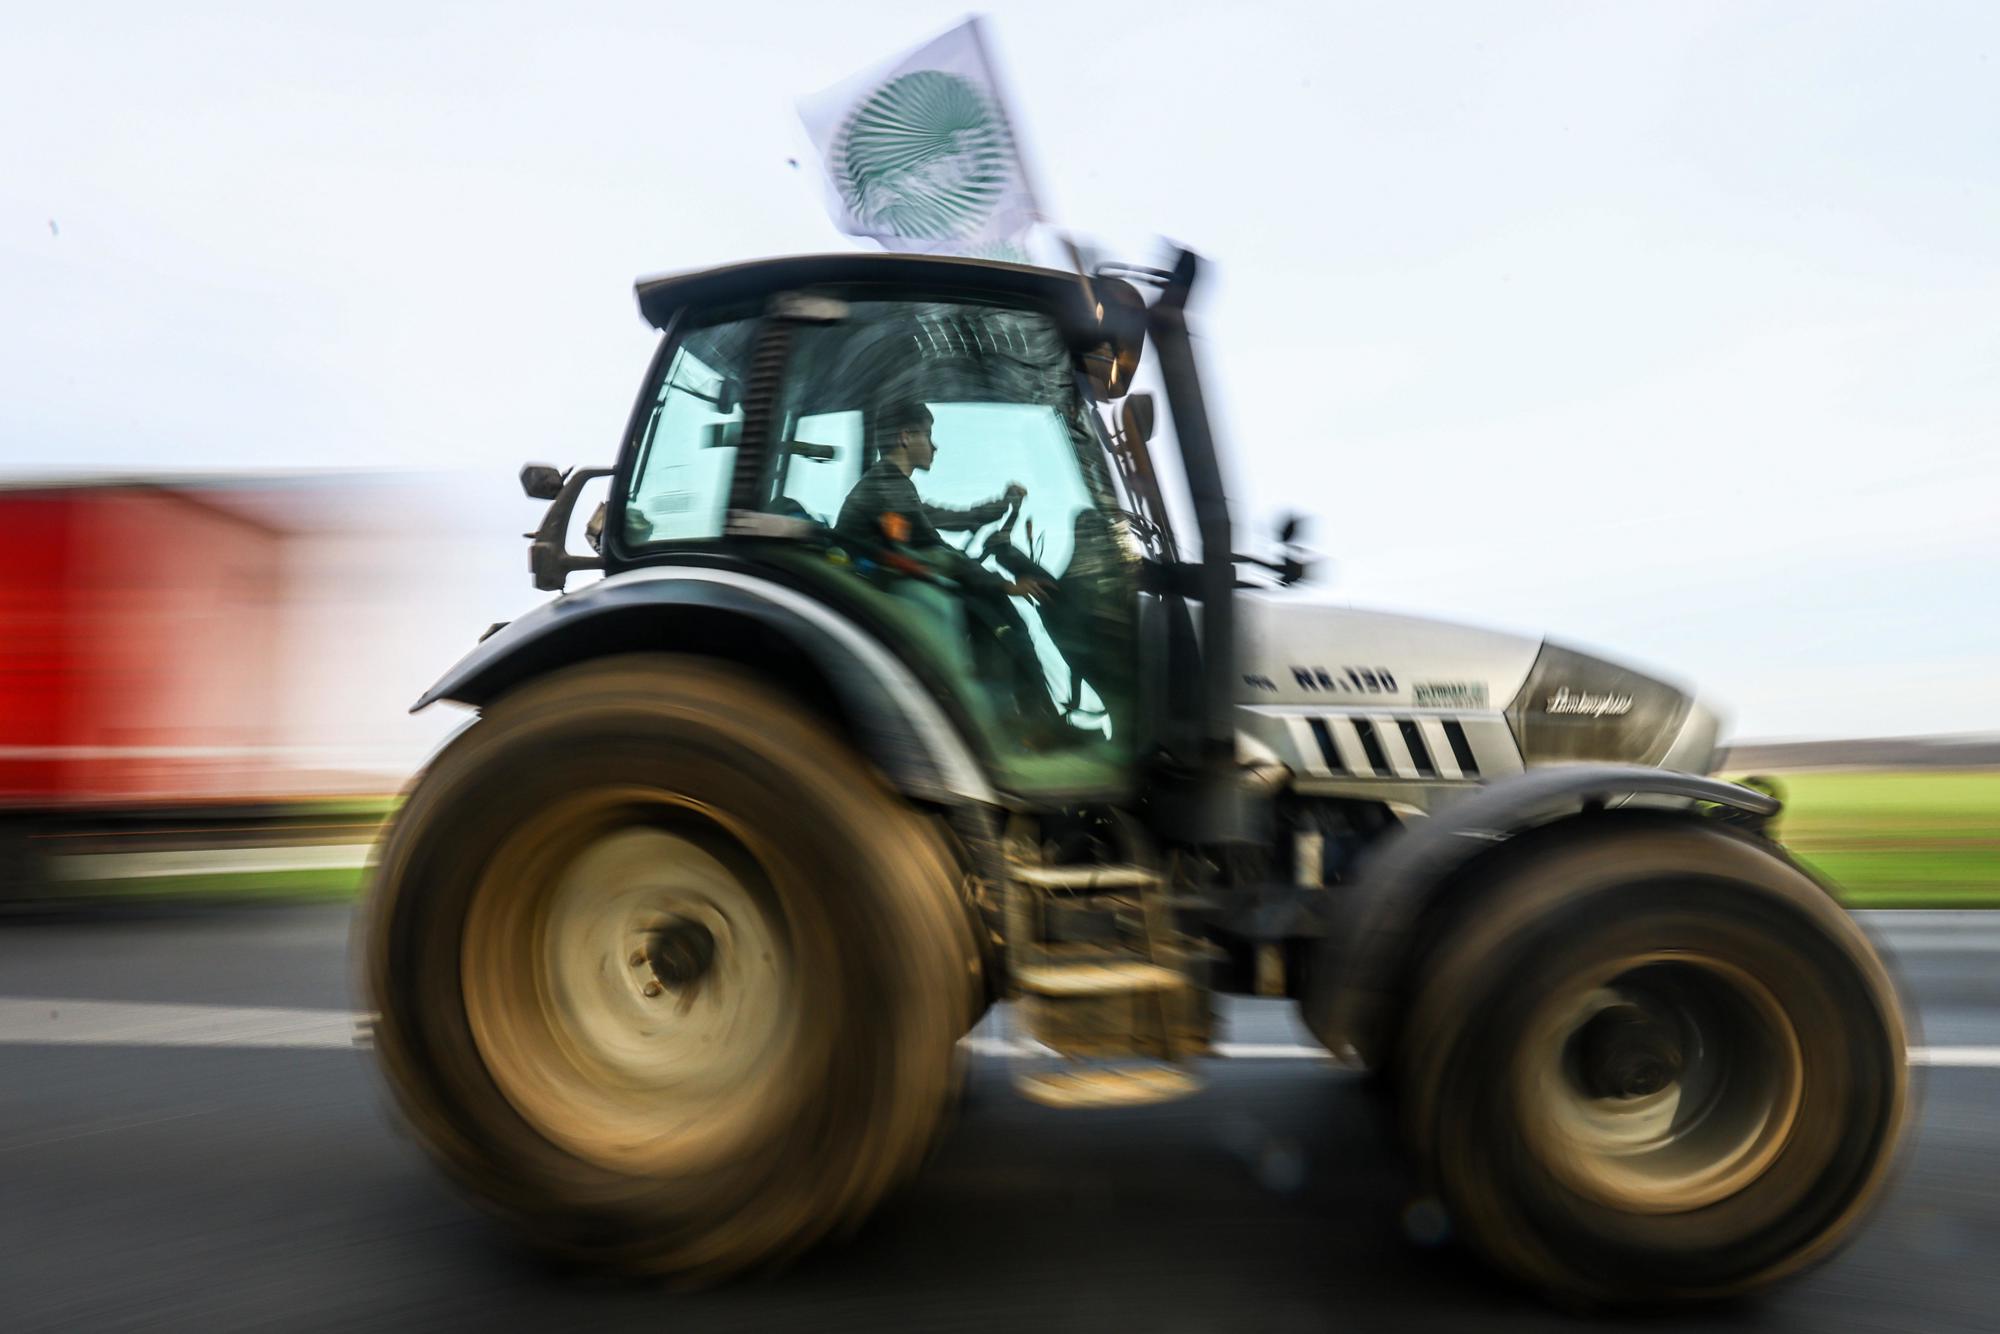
x=1576, y=707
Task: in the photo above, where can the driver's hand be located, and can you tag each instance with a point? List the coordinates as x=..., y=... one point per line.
x=1015, y=494
x=1035, y=590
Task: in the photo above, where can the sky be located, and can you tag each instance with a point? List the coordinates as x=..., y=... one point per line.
x=1672, y=330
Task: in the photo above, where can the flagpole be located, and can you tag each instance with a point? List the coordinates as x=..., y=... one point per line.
x=1021, y=156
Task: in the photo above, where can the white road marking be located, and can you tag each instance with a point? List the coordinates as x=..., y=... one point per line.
x=1966, y=1057
x=1985, y=1058
x=1270, y=1051
x=91, y=1023
x=34, y=1021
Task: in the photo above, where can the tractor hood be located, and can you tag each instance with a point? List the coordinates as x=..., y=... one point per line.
x=1540, y=702
x=1304, y=653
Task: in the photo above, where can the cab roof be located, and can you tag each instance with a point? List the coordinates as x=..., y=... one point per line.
x=1061, y=293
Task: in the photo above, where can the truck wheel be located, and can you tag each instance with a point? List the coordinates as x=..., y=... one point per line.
x=665, y=975
x=1655, y=1061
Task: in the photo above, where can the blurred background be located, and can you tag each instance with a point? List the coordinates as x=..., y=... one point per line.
x=1666, y=329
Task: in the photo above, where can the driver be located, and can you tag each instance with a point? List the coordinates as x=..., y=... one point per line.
x=904, y=428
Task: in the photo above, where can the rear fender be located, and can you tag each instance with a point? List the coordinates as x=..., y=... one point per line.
x=891, y=717
x=1361, y=967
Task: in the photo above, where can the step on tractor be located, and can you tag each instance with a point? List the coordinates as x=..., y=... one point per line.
x=900, y=699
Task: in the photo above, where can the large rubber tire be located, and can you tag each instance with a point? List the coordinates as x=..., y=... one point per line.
x=632, y=1095
x=1653, y=1062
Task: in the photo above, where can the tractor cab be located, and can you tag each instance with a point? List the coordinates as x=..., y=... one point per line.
x=938, y=449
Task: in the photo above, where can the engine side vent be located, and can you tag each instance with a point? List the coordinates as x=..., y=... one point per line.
x=1424, y=747
x=1420, y=754
x=1461, y=749
x=1328, y=751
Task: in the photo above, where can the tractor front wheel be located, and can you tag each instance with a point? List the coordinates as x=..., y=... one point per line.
x=666, y=976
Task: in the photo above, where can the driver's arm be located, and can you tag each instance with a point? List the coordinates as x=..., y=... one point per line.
x=973, y=577
x=959, y=521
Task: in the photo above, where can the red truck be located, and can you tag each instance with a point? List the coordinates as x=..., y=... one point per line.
x=140, y=643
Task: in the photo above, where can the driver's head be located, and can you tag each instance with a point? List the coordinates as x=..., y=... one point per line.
x=905, y=433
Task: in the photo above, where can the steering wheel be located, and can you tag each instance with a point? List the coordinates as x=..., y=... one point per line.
x=1014, y=562
x=1000, y=535
x=976, y=550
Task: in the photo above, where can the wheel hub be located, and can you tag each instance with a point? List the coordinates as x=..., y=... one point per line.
x=681, y=953
x=1627, y=1051
x=628, y=979
x=1659, y=1084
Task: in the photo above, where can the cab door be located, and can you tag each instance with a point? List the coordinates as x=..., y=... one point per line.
x=989, y=547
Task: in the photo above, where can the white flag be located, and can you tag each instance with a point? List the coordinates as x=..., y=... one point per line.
x=920, y=154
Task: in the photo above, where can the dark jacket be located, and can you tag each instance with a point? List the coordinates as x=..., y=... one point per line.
x=884, y=489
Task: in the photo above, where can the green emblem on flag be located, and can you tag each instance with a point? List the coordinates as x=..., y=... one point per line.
x=925, y=156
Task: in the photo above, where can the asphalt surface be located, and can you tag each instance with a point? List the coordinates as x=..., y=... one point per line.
x=149, y=1183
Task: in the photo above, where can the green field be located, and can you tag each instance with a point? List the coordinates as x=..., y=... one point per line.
x=1913, y=839
x=161, y=873
x=313, y=885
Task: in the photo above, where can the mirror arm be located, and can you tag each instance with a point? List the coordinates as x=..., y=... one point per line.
x=1290, y=570
x=549, y=560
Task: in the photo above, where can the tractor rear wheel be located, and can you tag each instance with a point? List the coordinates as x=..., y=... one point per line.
x=1654, y=1062
x=665, y=975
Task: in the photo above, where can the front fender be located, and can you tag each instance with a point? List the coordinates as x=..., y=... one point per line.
x=1361, y=964
x=892, y=717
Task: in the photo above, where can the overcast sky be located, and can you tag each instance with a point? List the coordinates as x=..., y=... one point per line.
x=1673, y=330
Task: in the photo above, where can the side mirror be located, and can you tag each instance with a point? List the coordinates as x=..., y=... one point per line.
x=549, y=562
x=1295, y=566
x=540, y=481
x=1110, y=369
x=728, y=396
x=1137, y=417
x=1292, y=566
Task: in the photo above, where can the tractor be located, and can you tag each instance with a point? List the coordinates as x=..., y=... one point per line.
x=902, y=696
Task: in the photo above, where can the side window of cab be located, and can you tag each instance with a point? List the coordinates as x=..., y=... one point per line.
x=679, y=487
x=821, y=462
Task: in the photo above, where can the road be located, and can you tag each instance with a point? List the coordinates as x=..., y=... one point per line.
x=189, y=1140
